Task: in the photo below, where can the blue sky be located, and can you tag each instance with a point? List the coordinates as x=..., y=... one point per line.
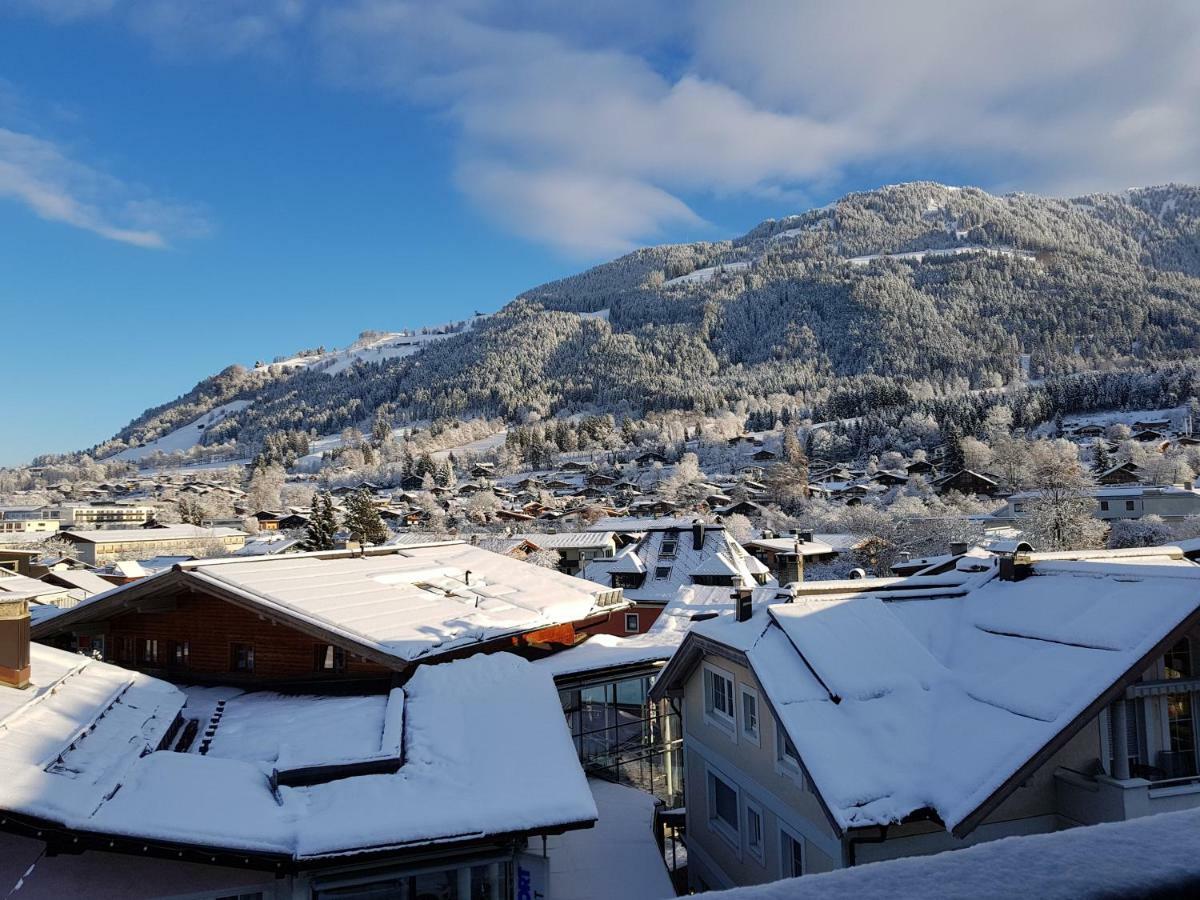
x=187, y=185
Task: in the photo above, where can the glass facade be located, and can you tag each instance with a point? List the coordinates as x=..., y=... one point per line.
x=624, y=737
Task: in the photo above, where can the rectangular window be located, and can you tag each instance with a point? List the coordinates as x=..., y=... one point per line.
x=669, y=547
x=722, y=806
x=1177, y=662
x=1104, y=505
x=181, y=654
x=150, y=651
x=1180, y=762
x=1129, y=506
x=631, y=623
x=749, y=714
x=787, y=757
x=791, y=855
x=662, y=573
x=754, y=830
x=718, y=697
x=241, y=657
x=329, y=658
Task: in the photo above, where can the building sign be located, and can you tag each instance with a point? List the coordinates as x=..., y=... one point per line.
x=531, y=877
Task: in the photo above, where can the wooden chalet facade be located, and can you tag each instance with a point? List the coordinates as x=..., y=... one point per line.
x=188, y=626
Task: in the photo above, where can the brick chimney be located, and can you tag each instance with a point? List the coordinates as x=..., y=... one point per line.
x=791, y=566
x=14, y=643
x=697, y=535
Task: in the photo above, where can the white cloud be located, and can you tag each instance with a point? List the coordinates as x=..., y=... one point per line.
x=579, y=212
x=591, y=128
x=36, y=173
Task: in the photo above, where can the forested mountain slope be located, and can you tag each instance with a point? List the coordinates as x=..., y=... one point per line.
x=914, y=290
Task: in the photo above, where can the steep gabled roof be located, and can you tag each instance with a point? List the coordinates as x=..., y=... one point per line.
x=943, y=692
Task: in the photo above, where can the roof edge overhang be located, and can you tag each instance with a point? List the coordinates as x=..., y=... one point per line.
x=1114, y=691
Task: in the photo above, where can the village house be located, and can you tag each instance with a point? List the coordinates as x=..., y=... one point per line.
x=1171, y=502
x=138, y=543
x=99, y=515
x=1005, y=696
x=335, y=616
x=119, y=784
x=1125, y=473
x=965, y=481
x=786, y=556
x=575, y=548
x=671, y=554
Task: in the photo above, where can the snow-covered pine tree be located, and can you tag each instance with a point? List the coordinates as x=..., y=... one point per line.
x=362, y=519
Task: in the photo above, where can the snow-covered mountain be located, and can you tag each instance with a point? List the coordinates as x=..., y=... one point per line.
x=911, y=290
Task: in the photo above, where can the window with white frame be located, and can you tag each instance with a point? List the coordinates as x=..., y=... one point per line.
x=754, y=830
x=723, y=806
x=787, y=757
x=718, y=697
x=791, y=854
x=749, y=703
x=631, y=623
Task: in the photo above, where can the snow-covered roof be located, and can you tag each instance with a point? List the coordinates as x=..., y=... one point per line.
x=659, y=642
x=395, y=603
x=132, y=535
x=268, y=544
x=627, y=524
x=790, y=544
x=78, y=749
x=718, y=556
x=1151, y=856
x=574, y=540
x=969, y=676
x=84, y=580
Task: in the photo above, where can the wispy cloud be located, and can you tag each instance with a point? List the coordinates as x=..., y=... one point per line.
x=590, y=129
x=38, y=174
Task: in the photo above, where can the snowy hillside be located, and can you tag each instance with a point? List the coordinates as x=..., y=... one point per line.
x=391, y=345
x=186, y=437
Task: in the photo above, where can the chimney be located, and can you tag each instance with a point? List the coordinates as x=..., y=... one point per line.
x=958, y=548
x=14, y=643
x=744, y=609
x=791, y=567
x=805, y=537
x=1014, y=568
x=697, y=535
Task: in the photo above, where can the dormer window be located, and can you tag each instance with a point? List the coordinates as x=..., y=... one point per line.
x=669, y=547
x=662, y=573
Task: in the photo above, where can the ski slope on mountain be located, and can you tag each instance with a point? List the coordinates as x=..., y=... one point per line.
x=185, y=437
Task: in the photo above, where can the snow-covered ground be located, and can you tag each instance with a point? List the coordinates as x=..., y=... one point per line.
x=481, y=446
x=392, y=345
x=1176, y=414
x=616, y=858
x=918, y=255
x=699, y=276
x=185, y=437
x=1152, y=856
